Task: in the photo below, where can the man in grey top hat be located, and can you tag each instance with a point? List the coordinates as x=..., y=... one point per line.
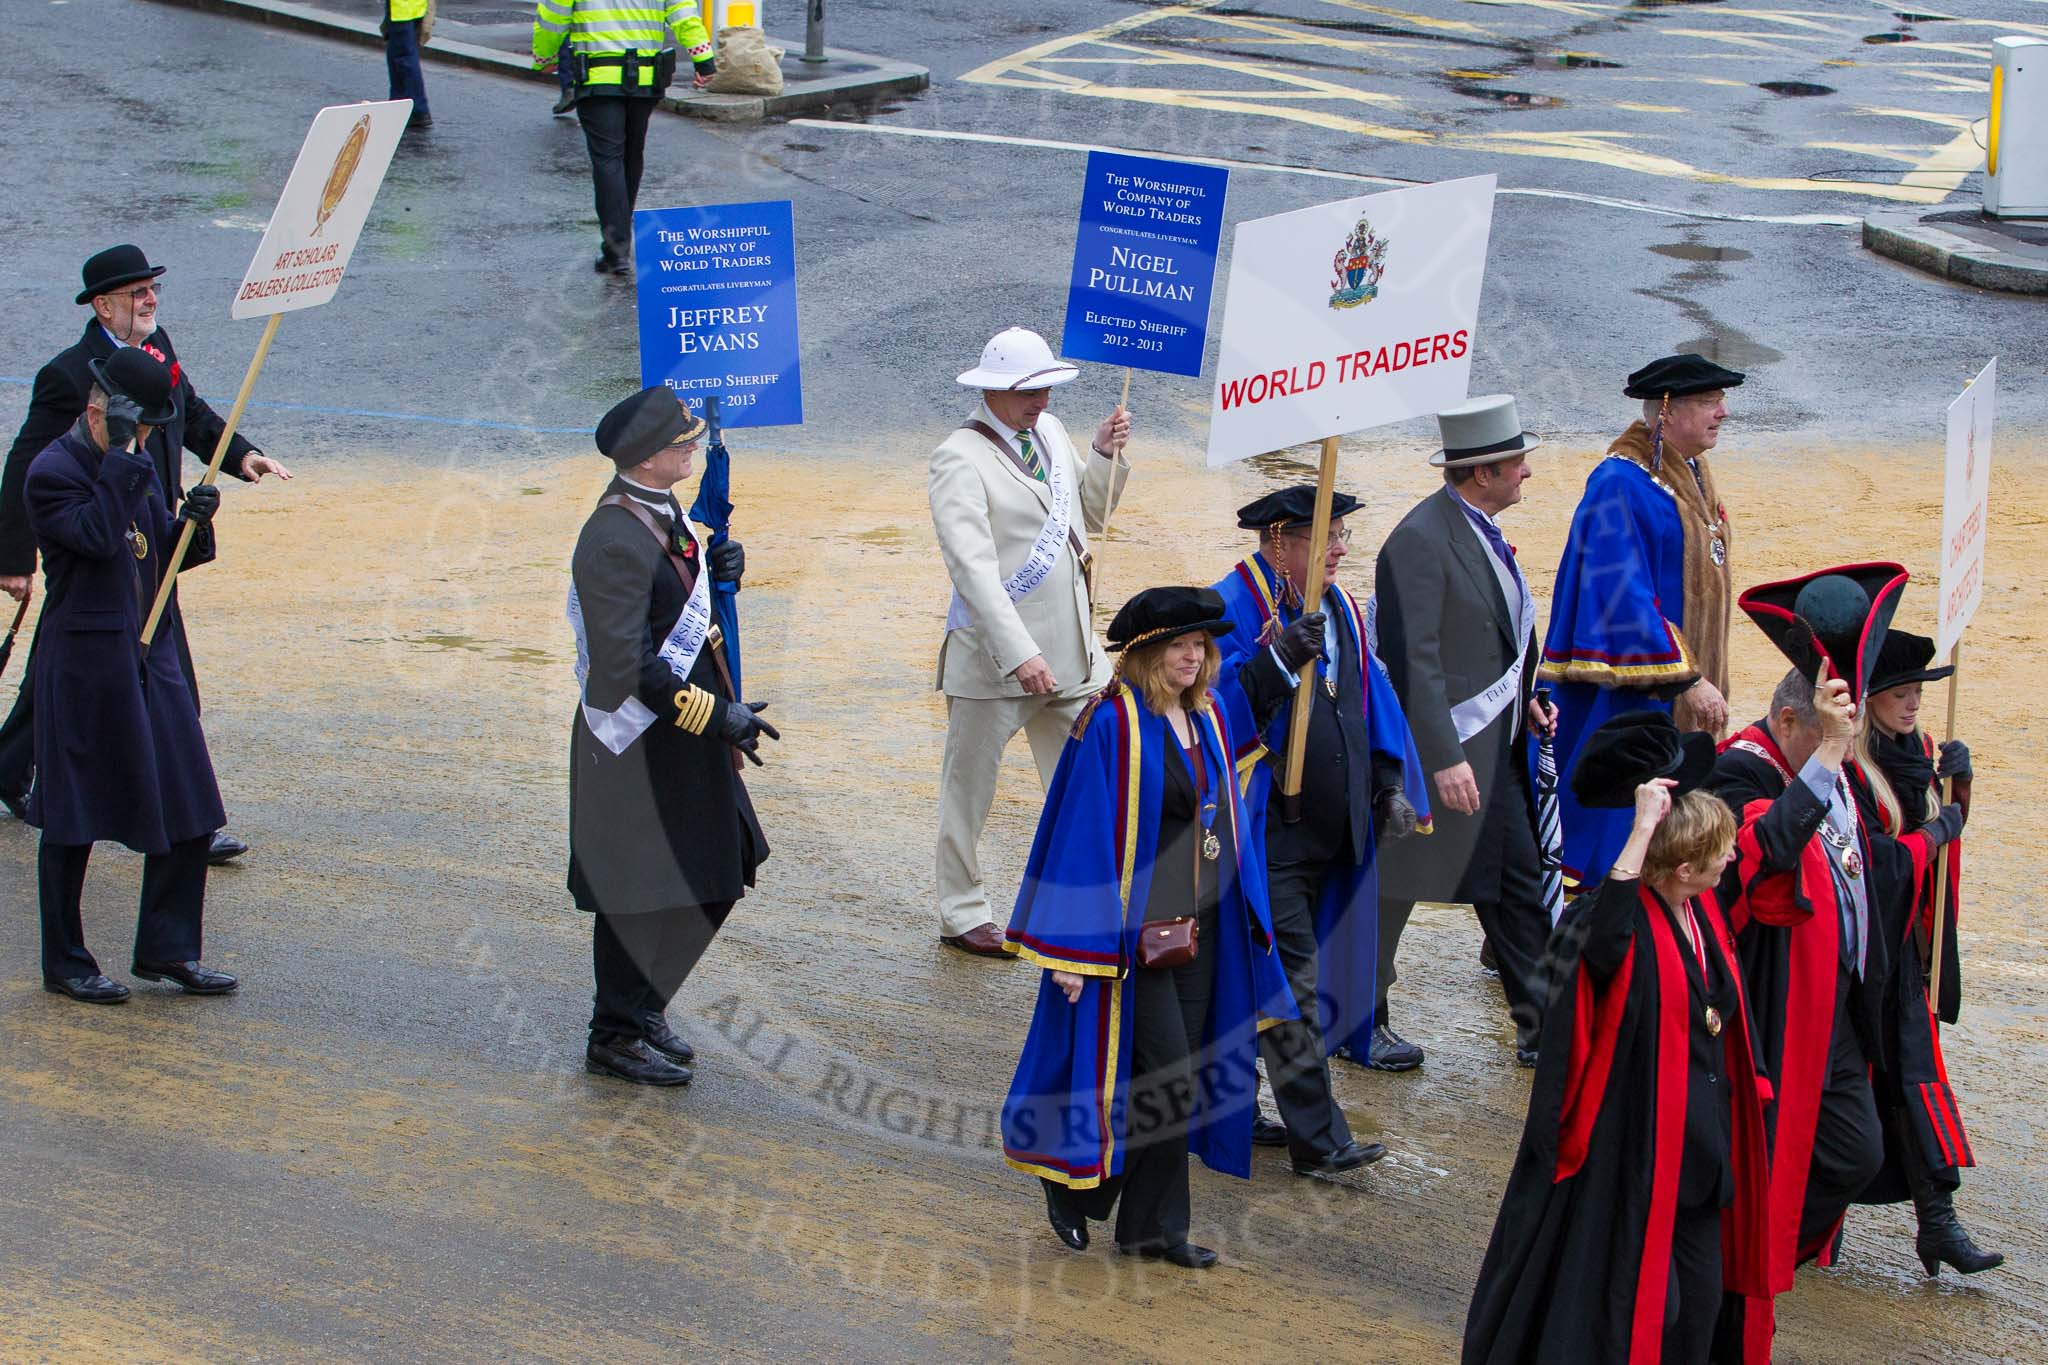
x=1013, y=503
x=1457, y=634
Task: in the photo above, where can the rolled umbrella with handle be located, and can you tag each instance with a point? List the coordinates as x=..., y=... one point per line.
x=1549, y=832
x=7, y=646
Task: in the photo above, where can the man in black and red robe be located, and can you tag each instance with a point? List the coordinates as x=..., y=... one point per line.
x=1814, y=954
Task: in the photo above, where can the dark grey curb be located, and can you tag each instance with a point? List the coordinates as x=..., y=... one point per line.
x=1902, y=236
x=884, y=77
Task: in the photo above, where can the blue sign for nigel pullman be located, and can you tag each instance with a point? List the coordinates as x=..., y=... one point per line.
x=717, y=297
x=1144, y=261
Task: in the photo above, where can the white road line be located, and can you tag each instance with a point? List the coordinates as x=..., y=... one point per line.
x=1313, y=172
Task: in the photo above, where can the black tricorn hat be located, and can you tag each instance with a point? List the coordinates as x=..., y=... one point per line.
x=114, y=267
x=641, y=425
x=1677, y=375
x=1837, y=617
x=1162, y=613
x=1634, y=747
x=141, y=377
x=1285, y=507
x=1902, y=659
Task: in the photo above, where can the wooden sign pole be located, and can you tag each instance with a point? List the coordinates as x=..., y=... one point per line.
x=1955, y=685
x=1095, y=559
x=220, y=453
x=1311, y=600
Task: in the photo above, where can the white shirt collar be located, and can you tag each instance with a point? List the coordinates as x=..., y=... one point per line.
x=660, y=499
x=1002, y=428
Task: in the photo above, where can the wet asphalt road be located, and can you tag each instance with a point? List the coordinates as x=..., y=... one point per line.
x=385, y=1149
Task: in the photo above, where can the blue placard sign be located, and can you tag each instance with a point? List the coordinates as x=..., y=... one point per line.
x=1144, y=259
x=717, y=296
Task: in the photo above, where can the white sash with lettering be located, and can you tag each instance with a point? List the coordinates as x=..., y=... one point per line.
x=619, y=728
x=1474, y=714
x=1045, y=552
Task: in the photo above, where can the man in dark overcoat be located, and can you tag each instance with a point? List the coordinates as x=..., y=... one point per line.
x=1457, y=633
x=662, y=836
x=118, y=749
x=122, y=289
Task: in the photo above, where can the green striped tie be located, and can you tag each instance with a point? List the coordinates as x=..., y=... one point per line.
x=1032, y=464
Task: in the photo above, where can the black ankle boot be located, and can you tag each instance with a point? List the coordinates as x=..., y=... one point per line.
x=1942, y=1237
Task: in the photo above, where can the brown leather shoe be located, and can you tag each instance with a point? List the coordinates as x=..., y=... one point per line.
x=983, y=940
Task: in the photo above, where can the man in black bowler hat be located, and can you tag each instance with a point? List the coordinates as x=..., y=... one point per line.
x=122, y=288
x=119, y=752
x=662, y=836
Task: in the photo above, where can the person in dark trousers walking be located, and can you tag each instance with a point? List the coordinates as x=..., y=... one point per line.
x=622, y=66
x=119, y=752
x=662, y=836
x=406, y=25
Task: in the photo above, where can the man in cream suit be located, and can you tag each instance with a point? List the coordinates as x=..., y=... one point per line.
x=1013, y=503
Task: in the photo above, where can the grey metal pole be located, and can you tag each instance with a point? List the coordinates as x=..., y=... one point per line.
x=814, y=30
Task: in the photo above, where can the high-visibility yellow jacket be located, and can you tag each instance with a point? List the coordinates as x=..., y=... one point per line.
x=598, y=28
x=402, y=10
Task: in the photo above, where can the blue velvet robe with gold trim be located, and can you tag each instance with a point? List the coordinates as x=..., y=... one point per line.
x=1080, y=910
x=1348, y=910
x=1617, y=620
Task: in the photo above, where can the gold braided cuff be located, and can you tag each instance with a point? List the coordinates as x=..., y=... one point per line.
x=693, y=709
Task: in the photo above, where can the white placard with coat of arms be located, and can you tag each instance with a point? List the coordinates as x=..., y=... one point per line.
x=1349, y=315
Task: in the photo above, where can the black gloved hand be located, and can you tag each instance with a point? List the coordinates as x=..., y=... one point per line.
x=201, y=502
x=1955, y=761
x=1300, y=643
x=728, y=562
x=124, y=414
x=705, y=69
x=741, y=726
x=1945, y=826
x=1395, y=814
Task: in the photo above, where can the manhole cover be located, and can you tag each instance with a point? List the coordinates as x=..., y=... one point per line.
x=1795, y=88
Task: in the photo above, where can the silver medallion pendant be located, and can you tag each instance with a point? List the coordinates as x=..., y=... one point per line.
x=1212, y=847
x=1852, y=864
x=1719, y=551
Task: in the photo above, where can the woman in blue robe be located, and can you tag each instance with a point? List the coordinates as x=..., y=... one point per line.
x=1129, y=1068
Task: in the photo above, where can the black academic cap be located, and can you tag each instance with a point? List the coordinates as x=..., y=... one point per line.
x=1160, y=613
x=644, y=423
x=1634, y=747
x=1837, y=616
x=1285, y=507
x=1677, y=375
x=1902, y=659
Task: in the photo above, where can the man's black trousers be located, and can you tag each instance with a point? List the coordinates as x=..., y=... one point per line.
x=641, y=961
x=615, y=130
x=173, y=902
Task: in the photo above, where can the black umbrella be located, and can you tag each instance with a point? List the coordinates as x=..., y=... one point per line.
x=1549, y=834
x=7, y=646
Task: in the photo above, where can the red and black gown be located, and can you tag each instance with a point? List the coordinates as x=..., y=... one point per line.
x=1924, y=1126
x=1641, y=1118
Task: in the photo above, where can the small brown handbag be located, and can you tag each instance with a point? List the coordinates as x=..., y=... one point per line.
x=1169, y=942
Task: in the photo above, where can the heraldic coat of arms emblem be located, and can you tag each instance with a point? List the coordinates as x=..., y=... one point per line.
x=1357, y=268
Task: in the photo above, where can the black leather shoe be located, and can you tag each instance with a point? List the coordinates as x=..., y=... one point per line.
x=1187, y=1255
x=225, y=848
x=16, y=803
x=93, y=990
x=1349, y=1157
x=1392, y=1052
x=656, y=1033
x=632, y=1060
x=1268, y=1132
x=1068, y=1224
x=195, y=979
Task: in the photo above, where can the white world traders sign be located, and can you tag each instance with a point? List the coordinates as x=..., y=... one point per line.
x=1966, y=506
x=314, y=228
x=1349, y=315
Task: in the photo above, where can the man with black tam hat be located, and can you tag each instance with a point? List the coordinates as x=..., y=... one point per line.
x=662, y=835
x=119, y=752
x=1639, y=613
x=1815, y=956
x=1322, y=867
